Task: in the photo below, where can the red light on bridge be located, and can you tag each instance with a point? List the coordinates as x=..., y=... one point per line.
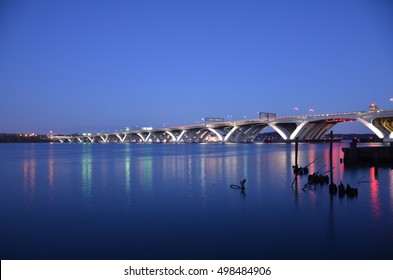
x=338, y=120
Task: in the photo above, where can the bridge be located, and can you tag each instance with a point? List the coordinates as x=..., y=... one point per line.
x=308, y=127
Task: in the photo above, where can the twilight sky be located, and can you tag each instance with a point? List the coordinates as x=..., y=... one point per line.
x=90, y=66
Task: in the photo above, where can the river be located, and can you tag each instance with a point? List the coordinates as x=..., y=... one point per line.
x=174, y=201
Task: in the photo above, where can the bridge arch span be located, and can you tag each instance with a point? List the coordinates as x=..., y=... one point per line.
x=250, y=132
x=285, y=129
x=381, y=126
x=316, y=129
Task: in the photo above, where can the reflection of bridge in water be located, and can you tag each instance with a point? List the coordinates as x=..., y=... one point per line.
x=380, y=122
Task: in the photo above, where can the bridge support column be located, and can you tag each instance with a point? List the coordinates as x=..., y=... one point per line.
x=295, y=133
x=373, y=128
x=285, y=135
x=142, y=137
x=230, y=133
x=104, y=138
x=148, y=137
x=121, y=138
x=180, y=137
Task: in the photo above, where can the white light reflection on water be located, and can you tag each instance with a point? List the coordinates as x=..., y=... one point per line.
x=51, y=173
x=145, y=171
x=86, y=172
x=127, y=173
x=29, y=174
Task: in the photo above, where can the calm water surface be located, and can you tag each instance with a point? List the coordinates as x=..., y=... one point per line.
x=173, y=201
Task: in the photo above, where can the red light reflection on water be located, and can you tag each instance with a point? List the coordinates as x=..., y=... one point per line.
x=311, y=157
x=374, y=192
x=338, y=167
x=391, y=190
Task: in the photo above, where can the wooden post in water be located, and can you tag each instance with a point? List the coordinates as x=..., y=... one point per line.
x=331, y=157
x=296, y=152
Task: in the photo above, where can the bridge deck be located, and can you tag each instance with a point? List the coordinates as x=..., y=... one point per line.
x=289, y=127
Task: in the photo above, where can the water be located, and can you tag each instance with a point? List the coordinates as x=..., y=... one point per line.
x=173, y=201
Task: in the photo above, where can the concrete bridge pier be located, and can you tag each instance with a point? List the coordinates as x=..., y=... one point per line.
x=381, y=126
x=121, y=136
x=104, y=138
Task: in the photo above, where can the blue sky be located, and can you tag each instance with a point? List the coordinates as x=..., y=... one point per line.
x=75, y=66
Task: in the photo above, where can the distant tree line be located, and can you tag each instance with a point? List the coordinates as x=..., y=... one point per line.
x=23, y=138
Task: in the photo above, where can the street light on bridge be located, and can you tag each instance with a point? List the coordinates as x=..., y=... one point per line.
x=373, y=107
